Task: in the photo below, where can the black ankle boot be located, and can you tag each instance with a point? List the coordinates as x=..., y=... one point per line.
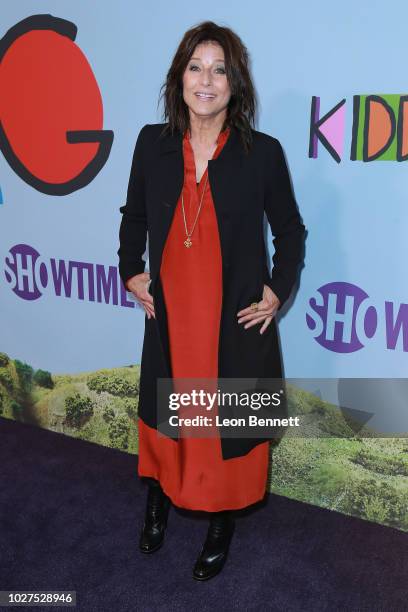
x=215, y=548
x=157, y=509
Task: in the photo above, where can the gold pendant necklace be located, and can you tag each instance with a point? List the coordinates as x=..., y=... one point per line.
x=188, y=243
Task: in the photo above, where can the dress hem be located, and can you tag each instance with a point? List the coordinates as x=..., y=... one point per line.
x=219, y=508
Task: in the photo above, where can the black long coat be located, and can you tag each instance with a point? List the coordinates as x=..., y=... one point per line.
x=243, y=187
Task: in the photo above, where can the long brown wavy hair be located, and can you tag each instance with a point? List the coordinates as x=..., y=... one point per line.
x=242, y=105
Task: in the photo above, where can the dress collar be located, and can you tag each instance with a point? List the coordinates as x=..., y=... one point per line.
x=174, y=142
x=222, y=136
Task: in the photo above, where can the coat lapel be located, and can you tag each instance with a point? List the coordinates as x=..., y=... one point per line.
x=222, y=172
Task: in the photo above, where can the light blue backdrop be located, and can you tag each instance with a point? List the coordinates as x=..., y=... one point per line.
x=355, y=212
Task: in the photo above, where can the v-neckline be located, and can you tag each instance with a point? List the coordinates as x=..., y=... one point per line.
x=221, y=136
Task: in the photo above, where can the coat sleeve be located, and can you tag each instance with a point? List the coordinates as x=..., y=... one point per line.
x=286, y=226
x=133, y=226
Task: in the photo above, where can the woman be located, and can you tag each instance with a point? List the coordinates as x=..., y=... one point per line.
x=199, y=186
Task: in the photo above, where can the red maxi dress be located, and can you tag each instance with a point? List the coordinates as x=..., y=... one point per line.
x=192, y=471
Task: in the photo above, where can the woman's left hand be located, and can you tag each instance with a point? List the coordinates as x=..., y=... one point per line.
x=267, y=308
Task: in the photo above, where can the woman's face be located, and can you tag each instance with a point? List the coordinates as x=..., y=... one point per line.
x=205, y=74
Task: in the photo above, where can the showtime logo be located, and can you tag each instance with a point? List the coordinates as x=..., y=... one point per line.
x=343, y=319
x=30, y=276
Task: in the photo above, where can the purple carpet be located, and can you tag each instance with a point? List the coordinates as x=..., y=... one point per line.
x=70, y=516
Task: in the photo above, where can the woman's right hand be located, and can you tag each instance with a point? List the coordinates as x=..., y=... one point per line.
x=138, y=285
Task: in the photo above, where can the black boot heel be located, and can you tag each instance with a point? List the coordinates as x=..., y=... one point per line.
x=214, y=551
x=157, y=511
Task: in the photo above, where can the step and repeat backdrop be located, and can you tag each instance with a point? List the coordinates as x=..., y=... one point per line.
x=78, y=81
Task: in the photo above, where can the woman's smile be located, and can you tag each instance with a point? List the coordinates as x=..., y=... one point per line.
x=205, y=97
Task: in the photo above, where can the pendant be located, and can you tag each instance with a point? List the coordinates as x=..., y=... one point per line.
x=188, y=242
